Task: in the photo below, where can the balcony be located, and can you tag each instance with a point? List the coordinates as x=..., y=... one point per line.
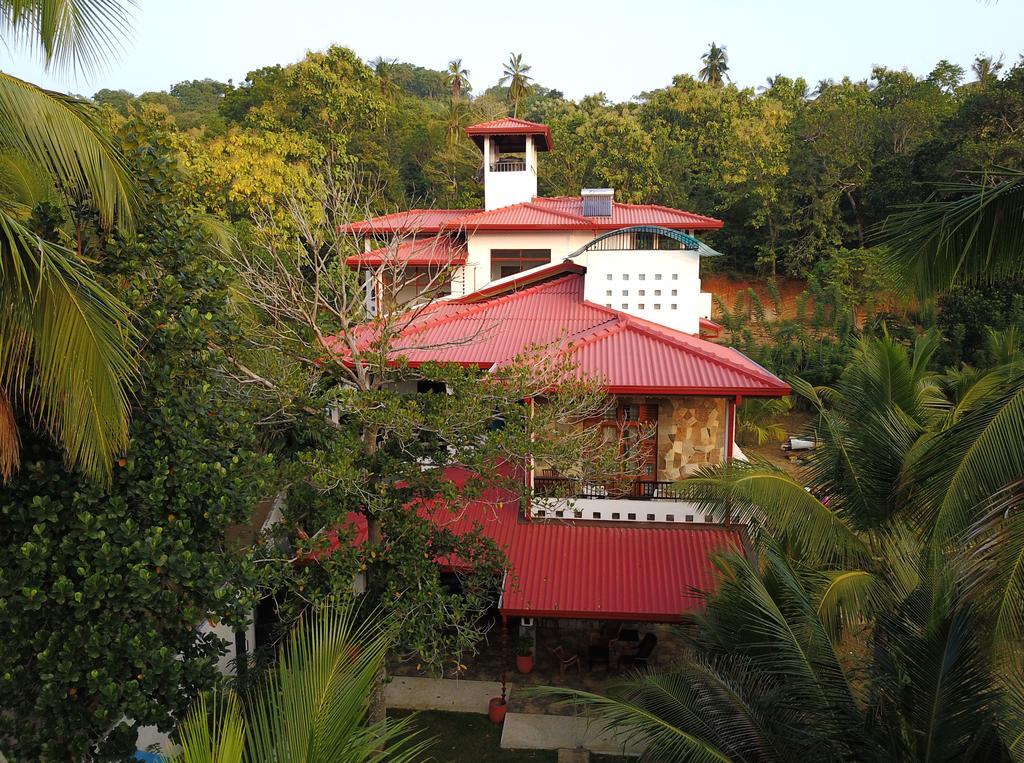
x=631, y=501
x=509, y=164
x=565, y=488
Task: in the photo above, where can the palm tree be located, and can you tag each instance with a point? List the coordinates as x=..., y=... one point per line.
x=313, y=706
x=986, y=68
x=757, y=420
x=519, y=81
x=457, y=77
x=716, y=66
x=64, y=356
x=384, y=68
x=965, y=233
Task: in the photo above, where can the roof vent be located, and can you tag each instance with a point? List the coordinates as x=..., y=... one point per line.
x=597, y=202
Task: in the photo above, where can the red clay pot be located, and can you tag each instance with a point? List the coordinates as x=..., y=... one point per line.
x=524, y=663
x=496, y=709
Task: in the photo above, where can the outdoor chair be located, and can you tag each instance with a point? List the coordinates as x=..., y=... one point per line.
x=643, y=653
x=565, y=660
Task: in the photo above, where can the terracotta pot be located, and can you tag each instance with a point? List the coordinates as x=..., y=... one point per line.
x=524, y=663
x=496, y=709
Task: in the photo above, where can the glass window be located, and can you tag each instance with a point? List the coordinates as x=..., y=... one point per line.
x=675, y=276
x=642, y=276
x=608, y=293
x=657, y=292
x=642, y=292
x=609, y=276
x=625, y=276
x=657, y=306
x=625, y=306
x=675, y=292
x=625, y=292
x=640, y=306
x=657, y=276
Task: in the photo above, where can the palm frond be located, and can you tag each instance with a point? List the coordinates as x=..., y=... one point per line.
x=958, y=469
x=213, y=731
x=966, y=233
x=314, y=706
x=778, y=507
x=75, y=35
x=65, y=352
x=845, y=599
x=59, y=133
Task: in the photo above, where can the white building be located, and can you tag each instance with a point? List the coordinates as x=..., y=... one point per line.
x=642, y=259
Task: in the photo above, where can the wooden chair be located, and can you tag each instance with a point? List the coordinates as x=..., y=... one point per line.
x=642, y=655
x=565, y=660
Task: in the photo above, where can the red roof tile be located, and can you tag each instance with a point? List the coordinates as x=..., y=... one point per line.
x=630, y=355
x=421, y=252
x=408, y=222
x=511, y=126
x=556, y=213
x=591, y=569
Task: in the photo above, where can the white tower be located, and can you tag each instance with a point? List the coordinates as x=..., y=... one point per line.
x=510, y=148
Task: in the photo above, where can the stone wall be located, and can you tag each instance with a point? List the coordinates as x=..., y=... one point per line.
x=691, y=433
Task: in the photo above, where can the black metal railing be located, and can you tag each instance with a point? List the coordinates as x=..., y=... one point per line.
x=637, y=490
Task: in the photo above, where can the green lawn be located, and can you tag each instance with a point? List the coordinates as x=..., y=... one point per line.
x=469, y=738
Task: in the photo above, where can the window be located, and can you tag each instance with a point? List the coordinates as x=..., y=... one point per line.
x=657, y=276
x=670, y=517
x=641, y=276
x=643, y=240
x=615, y=515
x=596, y=515
x=675, y=276
x=640, y=306
x=608, y=305
x=657, y=306
x=642, y=292
x=650, y=517
x=631, y=516
x=625, y=306
x=657, y=292
x=675, y=292
x=508, y=262
x=625, y=292
x=609, y=276
x=608, y=293
x=625, y=276
x=674, y=307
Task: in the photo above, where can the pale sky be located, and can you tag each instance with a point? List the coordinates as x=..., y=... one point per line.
x=579, y=47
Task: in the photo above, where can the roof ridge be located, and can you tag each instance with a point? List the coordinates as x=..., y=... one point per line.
x=685, y=341
x=472, y=308
x=466, y=222
x=675, y=338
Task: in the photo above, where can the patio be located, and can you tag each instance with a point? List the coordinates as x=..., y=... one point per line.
x=600, y=657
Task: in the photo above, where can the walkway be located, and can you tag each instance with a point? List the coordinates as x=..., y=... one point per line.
x=526, y=731
x=522, y=731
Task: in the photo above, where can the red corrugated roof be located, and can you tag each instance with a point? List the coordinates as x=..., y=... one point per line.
x=555, y=213
x=598, y=570
x=630, y=355
x=511, y=126
x=422, y=252
x=409, y=222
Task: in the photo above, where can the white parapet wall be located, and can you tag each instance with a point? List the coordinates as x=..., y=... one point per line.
x=625, y=510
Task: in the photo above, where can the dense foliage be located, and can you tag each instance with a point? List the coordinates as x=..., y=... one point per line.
x=796, y=172
x=102, y=588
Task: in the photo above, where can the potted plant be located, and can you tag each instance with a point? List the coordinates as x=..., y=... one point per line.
x=498, y=706
x=524, y=654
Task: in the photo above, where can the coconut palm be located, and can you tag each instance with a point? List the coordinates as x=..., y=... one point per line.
x=457, y=77
x=384, y=68
x=64, y=359
x=716, y=66
x=312, y=707
x=965, y=233
x=520, y=84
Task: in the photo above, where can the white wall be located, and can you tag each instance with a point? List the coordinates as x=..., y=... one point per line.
x=502, y=189
x=478, y=263
x=660, y=286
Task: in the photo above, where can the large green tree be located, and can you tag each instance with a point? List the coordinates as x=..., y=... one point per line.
x=103, y=588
